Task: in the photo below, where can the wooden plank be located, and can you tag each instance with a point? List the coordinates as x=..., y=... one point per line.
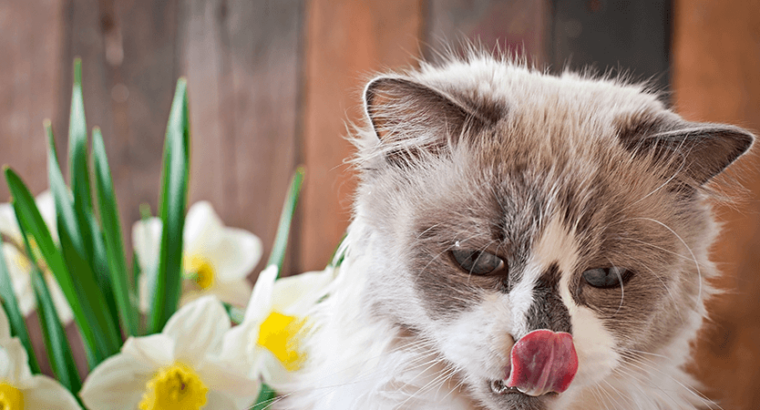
x=259, y=104
x=129, y=72
x=626, y=36
x=148, y=72
x=204, y=56
x=345, y=41
x=716, y=60
x=29, y=85
x=518, y=25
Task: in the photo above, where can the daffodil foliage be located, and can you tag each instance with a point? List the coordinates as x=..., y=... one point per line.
x=158, y=334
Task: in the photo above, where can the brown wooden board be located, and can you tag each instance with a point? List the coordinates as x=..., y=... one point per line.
x=716, y=62
x=29, y=85
x=346, y=41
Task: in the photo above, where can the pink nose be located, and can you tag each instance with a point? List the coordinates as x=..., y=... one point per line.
x=543, y=361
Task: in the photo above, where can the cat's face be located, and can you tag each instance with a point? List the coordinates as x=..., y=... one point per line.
x=504, y=201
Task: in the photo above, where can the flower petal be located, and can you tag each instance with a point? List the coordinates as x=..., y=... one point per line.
x=142, y=289
x=239, y=349
x=294, y=295
x=222, y=379
x=237, y=292
x=46, y=205
x=19, y=270
x=198, y=329
x=220, y=401
x=274, y=373
x=203, y=229
x=261, y=299
x=146, y=239
x=46, y=393
x=8, y=223
x=150, y=352
x=117, y=383
x=14, y=364
x=59, y=300
x=235, y=254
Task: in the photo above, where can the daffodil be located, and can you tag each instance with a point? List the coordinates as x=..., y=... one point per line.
x=20, y=390
x=274, y=323
x=177, y=369
x=20, y=265
x=216, y=258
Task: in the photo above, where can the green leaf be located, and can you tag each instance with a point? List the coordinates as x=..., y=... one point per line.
x=134, y=293
x=31, y=221
x=92, y=247
x=16, y=319
x=277, y=257
x=266, y=397
x=339, y=254
x=235, y=314
x=109, y=215
x=72, y=231
x=101, y=266
x=57, y=345
x=166, y=288
x=78, y=169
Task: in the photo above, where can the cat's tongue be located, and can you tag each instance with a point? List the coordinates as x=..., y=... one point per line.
x=543, y=361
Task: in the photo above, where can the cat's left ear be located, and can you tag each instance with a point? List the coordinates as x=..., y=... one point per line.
x=400, y=109
x=701, y=151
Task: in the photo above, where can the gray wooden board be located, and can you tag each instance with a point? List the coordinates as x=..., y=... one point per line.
x=516, y=25
x=626, y=36
x=242, y=60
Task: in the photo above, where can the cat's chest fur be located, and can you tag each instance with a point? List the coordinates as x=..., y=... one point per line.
x=498, y=203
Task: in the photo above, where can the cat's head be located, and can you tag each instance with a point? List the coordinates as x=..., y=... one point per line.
x=502, y=200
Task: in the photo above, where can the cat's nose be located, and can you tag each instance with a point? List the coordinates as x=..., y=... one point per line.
x=543, y=361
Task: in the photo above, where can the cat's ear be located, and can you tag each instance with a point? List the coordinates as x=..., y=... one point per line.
x=700, y=151
x=399, y=109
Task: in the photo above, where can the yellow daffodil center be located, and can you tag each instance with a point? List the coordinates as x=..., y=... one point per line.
x=200, y=270
x=10, y=397
x=22, y=262
x=176, y=387
x=278, y=333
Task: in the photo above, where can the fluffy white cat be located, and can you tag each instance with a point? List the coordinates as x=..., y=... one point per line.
x=519, y=241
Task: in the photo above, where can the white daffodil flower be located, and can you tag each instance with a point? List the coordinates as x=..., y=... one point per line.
x=19, y=264
x=274, y=320
x=177, y=369
x=216, y=258
x=18, y=388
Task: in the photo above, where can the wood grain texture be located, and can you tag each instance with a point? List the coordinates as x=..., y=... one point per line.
x=30, y=87
x=517, y=26
x=625, y=37
x=715, y=78
x=242, y=60
x=346, y=41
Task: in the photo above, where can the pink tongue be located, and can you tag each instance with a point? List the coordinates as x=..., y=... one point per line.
x=543, y=362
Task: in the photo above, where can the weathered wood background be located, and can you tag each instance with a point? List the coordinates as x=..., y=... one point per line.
x=272, y=84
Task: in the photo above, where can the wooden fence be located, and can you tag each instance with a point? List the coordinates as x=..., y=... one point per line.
x=272, y=84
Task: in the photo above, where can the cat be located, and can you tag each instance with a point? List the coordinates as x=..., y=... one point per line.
x=520, y=240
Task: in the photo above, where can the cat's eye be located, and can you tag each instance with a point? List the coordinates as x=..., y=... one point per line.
x=477, y=262
x=605, y=278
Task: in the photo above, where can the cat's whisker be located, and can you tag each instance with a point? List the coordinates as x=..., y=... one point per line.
x=693, y=257
x=634, y=375
x=645, y=364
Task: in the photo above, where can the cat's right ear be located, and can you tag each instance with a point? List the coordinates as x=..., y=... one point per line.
x=401, y=109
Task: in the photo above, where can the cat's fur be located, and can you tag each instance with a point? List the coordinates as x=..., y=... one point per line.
x=554, y=174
